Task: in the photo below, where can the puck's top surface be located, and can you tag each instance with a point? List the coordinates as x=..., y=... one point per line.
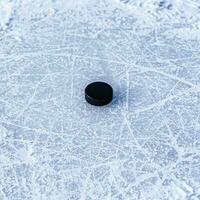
x=98, y=93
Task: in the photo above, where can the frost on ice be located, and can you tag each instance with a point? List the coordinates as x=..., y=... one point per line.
x=144, y=145
x=5, y=13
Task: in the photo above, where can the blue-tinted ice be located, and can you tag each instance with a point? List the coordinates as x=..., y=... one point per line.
x=53, y=145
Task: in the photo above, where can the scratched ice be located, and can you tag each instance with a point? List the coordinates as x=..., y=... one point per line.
x=144, y=145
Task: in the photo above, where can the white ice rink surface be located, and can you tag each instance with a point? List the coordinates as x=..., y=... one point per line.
x=145, y=145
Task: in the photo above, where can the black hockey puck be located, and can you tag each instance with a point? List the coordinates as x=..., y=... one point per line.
x=98, y=93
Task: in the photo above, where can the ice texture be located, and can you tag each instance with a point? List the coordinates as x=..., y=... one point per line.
x=5, y=13
x=145, y=145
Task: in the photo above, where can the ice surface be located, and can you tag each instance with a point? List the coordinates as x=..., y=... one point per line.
x=5, y=13
x=144, y=145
